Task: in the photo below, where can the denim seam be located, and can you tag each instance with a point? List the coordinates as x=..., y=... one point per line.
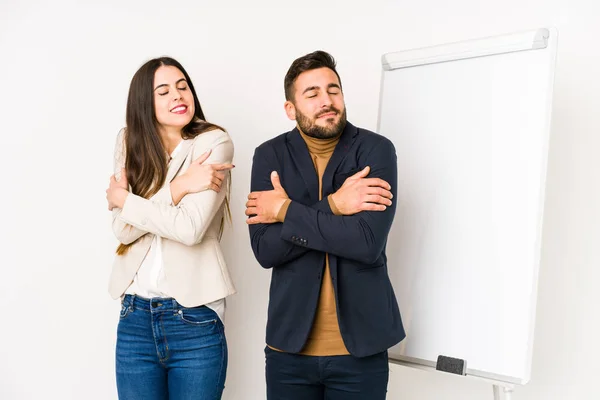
x=160, y=359
x=167, y=354
x=221, y=335
x=194, y=323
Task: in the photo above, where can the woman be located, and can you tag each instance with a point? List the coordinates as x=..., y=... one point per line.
x=168, y=205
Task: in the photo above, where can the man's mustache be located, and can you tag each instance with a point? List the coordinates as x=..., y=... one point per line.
x=328, y=111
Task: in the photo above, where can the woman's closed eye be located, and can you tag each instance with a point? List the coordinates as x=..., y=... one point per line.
x=167, y=92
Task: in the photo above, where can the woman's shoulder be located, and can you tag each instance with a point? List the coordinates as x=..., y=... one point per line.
x=216, y=140
x=213, y=134
x=211, y=139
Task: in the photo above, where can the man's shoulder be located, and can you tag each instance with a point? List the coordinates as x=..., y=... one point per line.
x=365, y=137
x=275, y=142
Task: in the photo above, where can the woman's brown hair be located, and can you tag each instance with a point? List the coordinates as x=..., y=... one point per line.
x=146, y=160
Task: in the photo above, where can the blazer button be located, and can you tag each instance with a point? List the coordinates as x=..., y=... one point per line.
x=144, y=221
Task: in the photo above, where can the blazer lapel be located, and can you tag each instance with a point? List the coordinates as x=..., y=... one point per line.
x=341, y=151
x=180, y=157
x=301, y=157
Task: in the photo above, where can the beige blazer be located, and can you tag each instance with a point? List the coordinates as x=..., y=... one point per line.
x=193, y=261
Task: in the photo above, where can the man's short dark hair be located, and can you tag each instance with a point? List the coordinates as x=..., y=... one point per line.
x=314, y=60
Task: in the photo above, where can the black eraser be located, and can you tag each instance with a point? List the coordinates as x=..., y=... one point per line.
x=451, y=365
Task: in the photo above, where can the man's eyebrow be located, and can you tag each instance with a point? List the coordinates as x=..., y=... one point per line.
x=334, y=85
x=308, y=89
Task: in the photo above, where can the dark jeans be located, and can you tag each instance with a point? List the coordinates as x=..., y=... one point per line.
x=169, y=352
x=297, y=377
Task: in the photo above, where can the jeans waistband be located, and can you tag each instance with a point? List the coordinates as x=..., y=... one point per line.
x=153, y=304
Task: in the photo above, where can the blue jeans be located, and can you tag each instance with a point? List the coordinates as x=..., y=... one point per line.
x=169, y=352
x=298, y=377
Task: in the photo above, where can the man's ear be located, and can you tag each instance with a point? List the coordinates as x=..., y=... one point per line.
x=290, y=110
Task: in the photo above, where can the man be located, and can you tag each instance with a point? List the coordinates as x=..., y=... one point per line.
x=319, y=213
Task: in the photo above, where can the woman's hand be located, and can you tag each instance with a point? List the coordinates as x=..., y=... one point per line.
x=199, y=176
x=117, y=191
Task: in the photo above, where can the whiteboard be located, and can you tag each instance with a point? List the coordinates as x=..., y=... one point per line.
x=470, y=123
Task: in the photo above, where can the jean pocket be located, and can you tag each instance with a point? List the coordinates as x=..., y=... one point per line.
x=192, y=317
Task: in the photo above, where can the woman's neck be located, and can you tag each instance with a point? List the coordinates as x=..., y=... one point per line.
x=170, y=139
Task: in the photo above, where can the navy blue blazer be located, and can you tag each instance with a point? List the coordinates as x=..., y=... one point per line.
x=368, y=314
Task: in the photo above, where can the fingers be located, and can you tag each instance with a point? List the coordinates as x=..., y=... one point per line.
x=217, y=167
x=361, y=174
x=372, y=207
x=257, y=219
x=222, y=167
x=253, y=220
x=220, y=175
x=113, y=184
x=203, y=157
x=374, y=190
x=110, y=205
x=212, y=174
x=378, y=200
x=217, y=181
x=275, y=180
x=377, y=182
x=122, y=182
x=251, y=203
x=251, y=211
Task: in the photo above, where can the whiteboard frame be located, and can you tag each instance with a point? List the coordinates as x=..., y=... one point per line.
x=520, y=41
x=537, y=39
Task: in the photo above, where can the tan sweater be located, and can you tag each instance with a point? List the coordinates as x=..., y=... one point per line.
x=325, y=338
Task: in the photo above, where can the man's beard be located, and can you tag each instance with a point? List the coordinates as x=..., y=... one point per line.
x=310, y=128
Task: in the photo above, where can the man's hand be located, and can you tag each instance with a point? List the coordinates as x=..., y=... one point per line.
x=264, y=206
x=359, y=193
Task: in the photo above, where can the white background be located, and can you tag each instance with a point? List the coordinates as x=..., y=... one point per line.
x=65, y=69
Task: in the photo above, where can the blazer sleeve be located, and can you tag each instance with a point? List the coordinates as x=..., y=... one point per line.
x=124, y=232
x=268, y=246
x=361, y=236
x=187, y=222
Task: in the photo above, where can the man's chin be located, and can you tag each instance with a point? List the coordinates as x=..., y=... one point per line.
x=328, y=124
